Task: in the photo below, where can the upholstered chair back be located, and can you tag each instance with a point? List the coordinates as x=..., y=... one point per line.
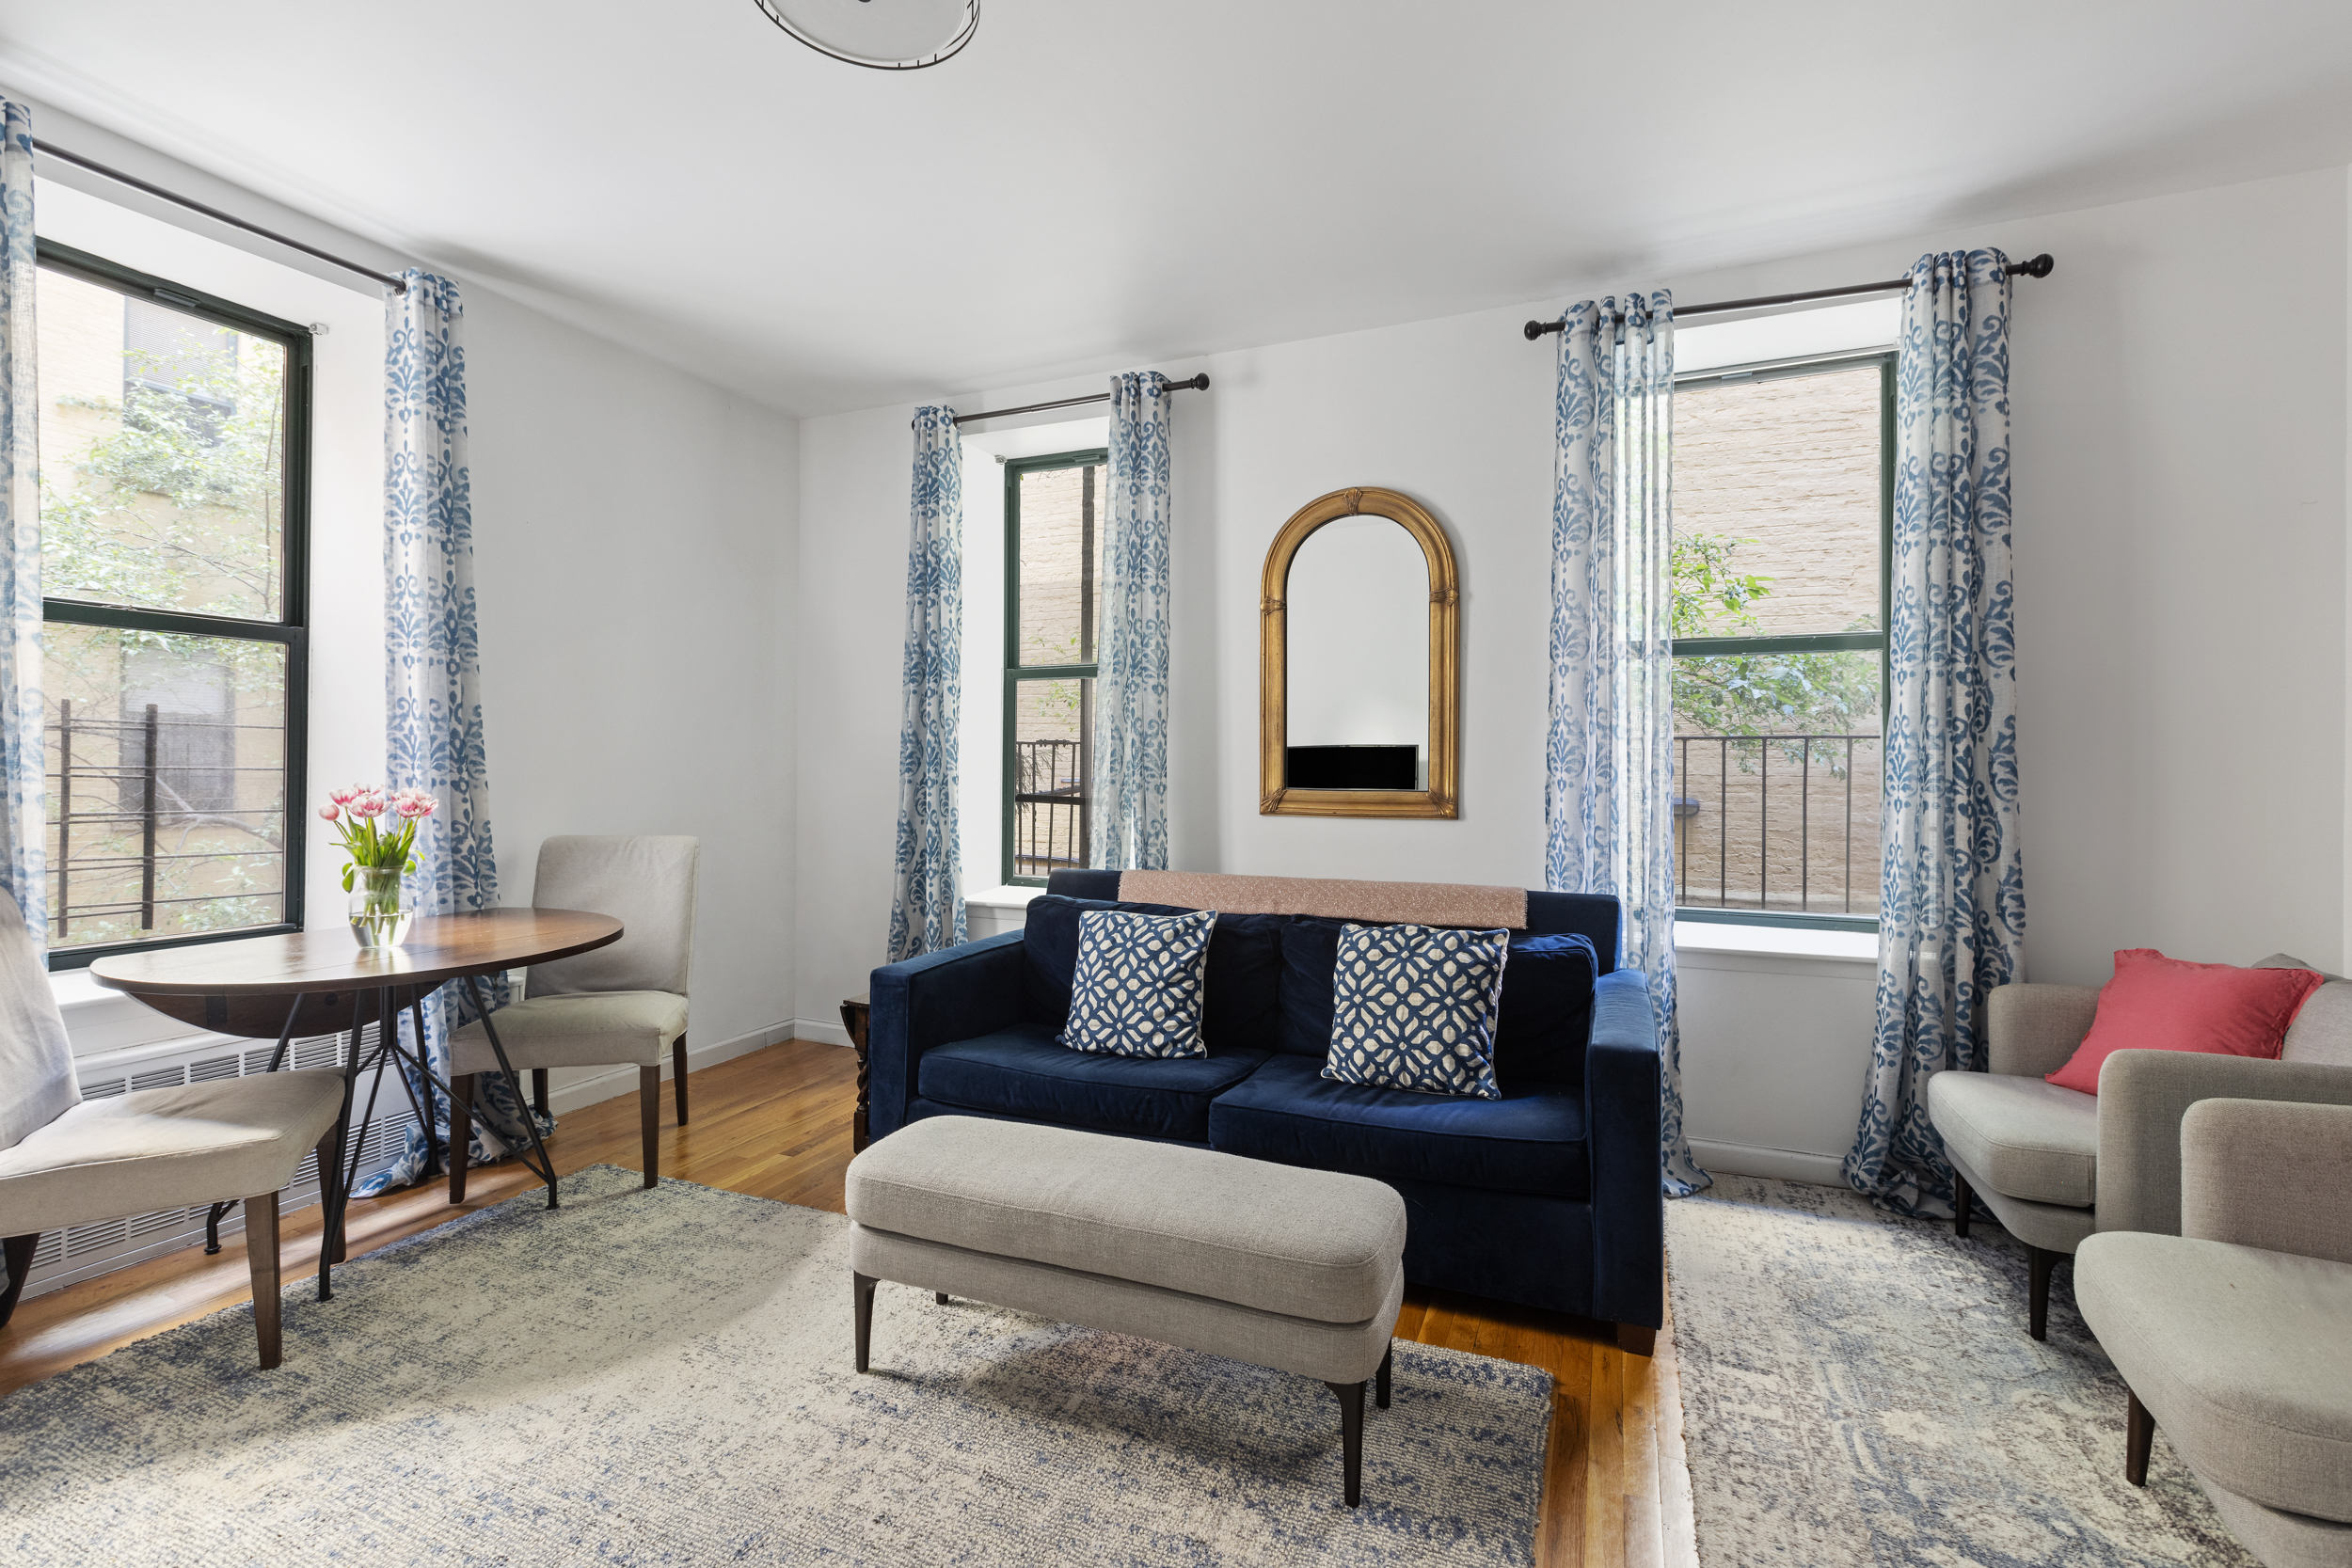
x=2321, y=1031
x=37, y=1082
x=647, y=884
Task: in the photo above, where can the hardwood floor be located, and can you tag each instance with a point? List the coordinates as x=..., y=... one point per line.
x=777, y=1124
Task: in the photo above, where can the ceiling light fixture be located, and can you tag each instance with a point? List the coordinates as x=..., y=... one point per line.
x=882, y=35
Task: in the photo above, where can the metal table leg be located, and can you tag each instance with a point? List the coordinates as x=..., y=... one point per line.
x=430, y=1114
x=544, y=1169
x=330, y=1170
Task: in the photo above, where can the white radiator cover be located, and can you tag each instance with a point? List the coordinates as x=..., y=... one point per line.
x=64, y=1257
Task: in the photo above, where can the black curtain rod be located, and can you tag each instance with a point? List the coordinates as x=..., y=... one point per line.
x=50, y=149
x=2039, y=267
x=1198, y=384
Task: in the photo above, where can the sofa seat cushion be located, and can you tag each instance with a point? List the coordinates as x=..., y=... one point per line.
x=2241, y=1356
x=1531, y=1140
x=1021, y=1072
x=2028, y=1138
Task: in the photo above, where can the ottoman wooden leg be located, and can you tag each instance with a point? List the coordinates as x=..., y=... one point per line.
x=862, y=1291
x=1380, y=1383
x=2140, y=1433
x=1961, y=1198
x=941, y=1297
x=1352, y=1436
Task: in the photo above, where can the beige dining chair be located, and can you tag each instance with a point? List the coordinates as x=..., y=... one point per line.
x=66, y=1161
x=622, y=1002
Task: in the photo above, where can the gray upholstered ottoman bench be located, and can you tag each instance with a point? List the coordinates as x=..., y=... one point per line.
x=1301, y=1271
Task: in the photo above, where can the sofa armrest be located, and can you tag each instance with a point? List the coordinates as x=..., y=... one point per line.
x=952, y=994
x=1622, y=1113
x=2142, y=1096
x=2031, y=1030
x=2233, y=1156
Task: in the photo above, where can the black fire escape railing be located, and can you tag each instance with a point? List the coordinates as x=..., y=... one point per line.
x=1800, y=759
x=1050, y=807
x=141, y=784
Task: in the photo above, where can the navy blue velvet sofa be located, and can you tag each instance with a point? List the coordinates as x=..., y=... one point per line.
x=1549, y=1197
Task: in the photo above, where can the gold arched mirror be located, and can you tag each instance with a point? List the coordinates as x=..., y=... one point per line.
x=1358, y=612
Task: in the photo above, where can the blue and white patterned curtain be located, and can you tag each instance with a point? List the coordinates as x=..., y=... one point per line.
x=24, y=810
x=1952, y=898
x=1609, y=785
x=432, y=678
x=926, y=903
x=1130, y=783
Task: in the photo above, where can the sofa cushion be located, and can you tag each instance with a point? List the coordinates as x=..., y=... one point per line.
x=1138, y=987
x=1546, y=1013
x=1413, y=1007
x=2240, y=1355
x=2027, y=1138
x=1240, y=1011
x=1531, y=1140
x=1021, y=1072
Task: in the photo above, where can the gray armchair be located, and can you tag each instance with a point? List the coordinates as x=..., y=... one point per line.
x=2235, y=1336
x=2054, y=1166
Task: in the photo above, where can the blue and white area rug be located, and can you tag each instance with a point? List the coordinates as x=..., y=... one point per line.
x=1859, y=1388
x=665, y=1377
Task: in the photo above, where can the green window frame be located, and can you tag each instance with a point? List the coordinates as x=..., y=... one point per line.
x=290, y=631
x=1016, y=671
x=1701, y=647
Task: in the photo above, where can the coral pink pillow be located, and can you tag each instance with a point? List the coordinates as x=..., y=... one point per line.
x=2160, y=1003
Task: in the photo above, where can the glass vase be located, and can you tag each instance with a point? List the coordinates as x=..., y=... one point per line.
x=380, y=913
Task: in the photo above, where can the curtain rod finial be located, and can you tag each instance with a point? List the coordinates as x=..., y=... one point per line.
x=2040, y=266
x=1536, y=329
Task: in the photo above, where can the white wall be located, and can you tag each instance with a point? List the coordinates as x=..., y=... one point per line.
x=2180, y=394
x=634, y=533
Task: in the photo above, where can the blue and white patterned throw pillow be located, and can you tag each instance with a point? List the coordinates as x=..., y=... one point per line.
x=1413, y=1007
x=1140, y=983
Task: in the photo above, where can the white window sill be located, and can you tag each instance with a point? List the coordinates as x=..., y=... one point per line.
x=75, y=989
x=1002, y=897
x=1776, y=942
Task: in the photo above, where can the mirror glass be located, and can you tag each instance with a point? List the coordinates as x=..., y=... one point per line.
x=1357, y=605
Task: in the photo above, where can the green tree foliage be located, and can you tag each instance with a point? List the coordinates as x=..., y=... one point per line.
x=1761, y=694
x=178, y=504
x=178, y=507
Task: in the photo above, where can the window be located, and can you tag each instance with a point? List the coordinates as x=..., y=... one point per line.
x=174, y=434
x=1052, y=596
x=1783, y=501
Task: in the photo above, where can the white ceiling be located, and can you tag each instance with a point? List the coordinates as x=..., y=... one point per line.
x=1122, y=183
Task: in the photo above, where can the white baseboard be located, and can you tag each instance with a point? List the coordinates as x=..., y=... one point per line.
x=1780, y=1164
x=818, y=1029
x=615, y=1082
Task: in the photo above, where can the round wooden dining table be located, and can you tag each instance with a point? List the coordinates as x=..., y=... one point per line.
x=324, y=982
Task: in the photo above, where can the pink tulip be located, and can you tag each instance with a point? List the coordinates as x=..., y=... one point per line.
x=346, y=795
x=330, y=813
x=414, y=805
x=368, y=805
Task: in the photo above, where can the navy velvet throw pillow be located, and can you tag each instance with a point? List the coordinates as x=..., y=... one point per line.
x=1141, y=984
x=1245, y=969
x=1547, y=1015
x=1413, y=1007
